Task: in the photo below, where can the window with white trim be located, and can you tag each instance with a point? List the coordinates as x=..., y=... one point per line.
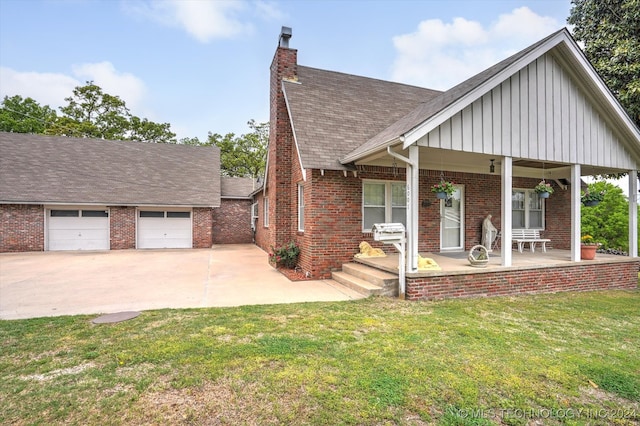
x=266, y=212
x=383, y=202
x=527, y=209
x=254, y=216
x=300, y=208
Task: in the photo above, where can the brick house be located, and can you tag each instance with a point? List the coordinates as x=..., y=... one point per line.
x=346, y=152
x=59, y=193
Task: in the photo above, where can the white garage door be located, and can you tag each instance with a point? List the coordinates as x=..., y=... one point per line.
x=78, y=229
x=164, y=229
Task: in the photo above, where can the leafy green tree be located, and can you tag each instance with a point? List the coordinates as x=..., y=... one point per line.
x=608, y=222
x=148, y=131
x=190, y=141
x=243, y=156
x=609, y=30
x=96, y=114
x=21, y=115
x=90, y=112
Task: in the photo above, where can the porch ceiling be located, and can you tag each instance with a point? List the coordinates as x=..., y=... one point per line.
x=468, y=162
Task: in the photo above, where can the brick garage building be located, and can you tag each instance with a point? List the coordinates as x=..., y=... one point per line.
x=232, y=222
x=59, y=193
x=346, y=152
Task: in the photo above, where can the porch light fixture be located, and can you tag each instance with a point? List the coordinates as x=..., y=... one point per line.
x=492, y=167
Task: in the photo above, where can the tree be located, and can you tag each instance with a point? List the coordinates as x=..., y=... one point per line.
x=243, y=156
x=91, y=113
x=97, y=114
x=148, y=131
x=608, y=222
x=609, y=31
x=21, y=115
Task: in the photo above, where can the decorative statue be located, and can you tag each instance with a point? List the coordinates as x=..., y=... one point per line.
x=489, y=233
x=367, y=251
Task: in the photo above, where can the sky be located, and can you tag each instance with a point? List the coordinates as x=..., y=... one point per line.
x=203, y=66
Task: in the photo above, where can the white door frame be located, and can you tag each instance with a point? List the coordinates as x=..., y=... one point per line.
x=462, y=224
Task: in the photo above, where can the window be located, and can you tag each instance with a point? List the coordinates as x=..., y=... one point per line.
x=146, y=213
x=383, y=202
x=266, y=212
x=254, y=216
x=300, y=208
x=95, y=213
x=527, y=209
x=184, y=215
x=64, y=213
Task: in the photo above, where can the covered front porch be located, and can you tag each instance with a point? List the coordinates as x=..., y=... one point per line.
x=457, y=263
x=529, y=273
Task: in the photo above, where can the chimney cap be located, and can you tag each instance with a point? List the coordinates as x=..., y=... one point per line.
x=285, y=35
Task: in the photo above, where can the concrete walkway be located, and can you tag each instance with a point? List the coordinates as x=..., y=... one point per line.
x=43, y=284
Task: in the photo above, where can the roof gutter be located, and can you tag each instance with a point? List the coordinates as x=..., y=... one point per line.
x=351, y=158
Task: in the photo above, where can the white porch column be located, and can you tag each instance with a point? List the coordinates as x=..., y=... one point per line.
x=575, y=212
x=412, y=246
x=505, y=214
x=633, y=213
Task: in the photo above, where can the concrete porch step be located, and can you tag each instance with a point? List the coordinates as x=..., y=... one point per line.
x=367, y=280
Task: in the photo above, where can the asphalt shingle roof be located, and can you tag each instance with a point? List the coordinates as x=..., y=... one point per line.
x=237, y=187
x=425, y=110
x=334, y=113
x=54, y=169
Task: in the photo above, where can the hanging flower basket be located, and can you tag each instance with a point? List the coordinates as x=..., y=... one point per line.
x=543, y=189
x=591, y=198
x=443, y=189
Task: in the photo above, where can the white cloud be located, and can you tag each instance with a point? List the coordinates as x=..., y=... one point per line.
x=440, y=55
x=126, y=86
x=205, y=20
x=51, y=88
x=45, y=88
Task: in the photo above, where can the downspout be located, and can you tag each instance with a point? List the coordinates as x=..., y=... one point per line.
x=411, y=229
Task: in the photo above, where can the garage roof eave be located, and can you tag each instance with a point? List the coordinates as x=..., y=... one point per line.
x=109, y=204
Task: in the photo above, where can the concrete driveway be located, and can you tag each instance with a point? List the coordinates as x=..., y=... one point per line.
x=43, y=284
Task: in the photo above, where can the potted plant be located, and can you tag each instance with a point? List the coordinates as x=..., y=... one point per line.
x=543, y=189
x=443, y=189
x=592, y=198
x=588, y=247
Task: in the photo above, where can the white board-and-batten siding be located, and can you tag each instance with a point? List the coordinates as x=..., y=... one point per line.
x=539, y=113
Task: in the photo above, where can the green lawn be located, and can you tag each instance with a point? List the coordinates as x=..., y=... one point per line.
x=571, y=358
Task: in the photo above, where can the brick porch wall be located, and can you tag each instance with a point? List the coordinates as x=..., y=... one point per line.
x=584, y=277
x=122, y=224
x=232, y=222
x=202, y=227
x=21, y=227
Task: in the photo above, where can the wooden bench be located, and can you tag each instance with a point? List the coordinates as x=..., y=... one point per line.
x=531, y=236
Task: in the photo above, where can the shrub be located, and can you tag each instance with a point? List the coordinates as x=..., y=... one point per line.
x=285, y=256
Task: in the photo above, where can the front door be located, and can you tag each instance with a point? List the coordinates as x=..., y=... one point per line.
x=452, y=221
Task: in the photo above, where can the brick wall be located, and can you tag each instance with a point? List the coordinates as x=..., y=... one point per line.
x=333, y=216
x=202, y=227
x=280, y=151
x=583, y=277
x=232, y=222
x=21, y=227
x=122, y=227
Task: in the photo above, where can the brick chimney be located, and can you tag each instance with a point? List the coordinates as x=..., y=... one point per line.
x=279, y=190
